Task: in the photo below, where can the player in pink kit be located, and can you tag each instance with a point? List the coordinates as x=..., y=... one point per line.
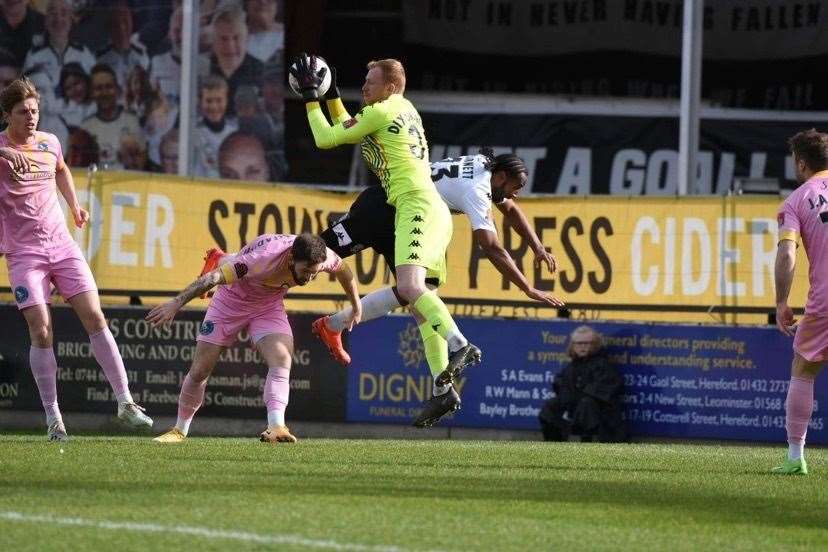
x=257, y=279
x=40, y=252
x=804, y=215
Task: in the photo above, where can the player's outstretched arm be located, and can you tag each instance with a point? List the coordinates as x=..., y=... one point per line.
x=783, y=278
x=333, y=101
x=349, y=284
x=516, y=218
x=66, y=185
x=166, y=311
x=488, y=242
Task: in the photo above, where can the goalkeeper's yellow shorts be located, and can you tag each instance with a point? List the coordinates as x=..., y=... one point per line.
x=422, y=232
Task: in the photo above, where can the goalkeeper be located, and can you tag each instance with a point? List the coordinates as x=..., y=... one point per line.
x=393, y=144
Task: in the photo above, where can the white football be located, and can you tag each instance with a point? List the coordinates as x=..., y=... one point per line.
x=326, y=81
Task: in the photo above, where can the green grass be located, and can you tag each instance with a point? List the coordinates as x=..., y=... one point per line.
x=414, y=495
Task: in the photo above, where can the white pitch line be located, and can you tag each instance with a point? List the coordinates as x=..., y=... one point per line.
x=195, y=531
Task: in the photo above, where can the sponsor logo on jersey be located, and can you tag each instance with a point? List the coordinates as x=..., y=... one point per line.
x=349, y=123
x=780, y=218
x=241, y=269
x=21, y=294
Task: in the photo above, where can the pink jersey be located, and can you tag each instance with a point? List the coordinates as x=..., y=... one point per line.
x=260, y=272
x=30, y=214
x=804, y=214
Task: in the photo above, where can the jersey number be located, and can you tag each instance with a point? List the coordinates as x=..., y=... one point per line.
x=452, y=171
x=417, y=150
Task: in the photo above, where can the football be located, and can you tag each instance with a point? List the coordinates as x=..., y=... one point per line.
x=326, y=81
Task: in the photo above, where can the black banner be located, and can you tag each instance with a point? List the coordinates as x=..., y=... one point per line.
x=582, y=154
x=156, y=362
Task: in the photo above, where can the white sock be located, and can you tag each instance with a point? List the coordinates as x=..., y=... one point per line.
x=456, y=340
x=183, y=425
x=796, y=451
x=275, y=418
x=124, y=398
x=374, y=305
x=51, y=419
x=437, y=390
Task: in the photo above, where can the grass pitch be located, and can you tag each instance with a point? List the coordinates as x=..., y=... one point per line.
x=105, y=493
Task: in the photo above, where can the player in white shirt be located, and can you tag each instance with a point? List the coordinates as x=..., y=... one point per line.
x=468, y=185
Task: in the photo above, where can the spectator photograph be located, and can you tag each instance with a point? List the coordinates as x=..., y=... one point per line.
x=124, y=51
x=19, y=24
x=75, y=89
x=110, y=121
x=242, y=157
x=53, y=49
x=266, y=37
x=214, y=125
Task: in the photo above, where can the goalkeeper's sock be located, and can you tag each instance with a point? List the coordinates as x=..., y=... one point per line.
x=374, y=305
x=436, y=353
x=276, y=394
x=432, y=308
x=189, y=400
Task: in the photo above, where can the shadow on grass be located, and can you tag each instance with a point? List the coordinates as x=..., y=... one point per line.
x=700, y=503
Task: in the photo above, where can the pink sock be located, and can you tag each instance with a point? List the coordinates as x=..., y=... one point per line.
x=106, y=353
x=276, y=392
x=798, y=408
x=44, y=370
x=189, y=400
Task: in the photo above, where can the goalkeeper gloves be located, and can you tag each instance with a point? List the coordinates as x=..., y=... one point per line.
x=309, y=78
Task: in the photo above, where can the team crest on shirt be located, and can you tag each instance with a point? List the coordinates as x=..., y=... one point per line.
x=43, y=146
x=207, y=327
x=349, y=123
x=21, y=294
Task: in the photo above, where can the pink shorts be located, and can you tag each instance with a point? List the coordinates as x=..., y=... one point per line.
x=811, y=338
x=31, y=275
x=221, y=326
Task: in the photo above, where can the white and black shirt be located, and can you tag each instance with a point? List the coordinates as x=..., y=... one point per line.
x=465, y=185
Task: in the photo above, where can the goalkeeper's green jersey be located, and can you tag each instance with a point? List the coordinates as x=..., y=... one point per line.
x=391, y=136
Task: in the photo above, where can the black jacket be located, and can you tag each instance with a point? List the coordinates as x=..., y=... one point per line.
x=593, y=376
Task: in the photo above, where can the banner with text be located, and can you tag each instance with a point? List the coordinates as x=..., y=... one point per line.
x=148, y=235
x=591, y=154
x=157, y=361
x=681, y=381
x=756, y=53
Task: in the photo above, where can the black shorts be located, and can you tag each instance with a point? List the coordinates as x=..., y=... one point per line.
x=369, y=224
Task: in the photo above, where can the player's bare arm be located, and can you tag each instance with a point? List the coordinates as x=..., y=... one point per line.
x=66, y=185
x=348, y=282
x=516, y=218
x=783, y=277
x=18, y=161
x=166, y=311
x=503, y=262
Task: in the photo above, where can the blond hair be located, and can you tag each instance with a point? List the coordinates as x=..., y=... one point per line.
x=586, y=334
x=392, y=72
x=19, y=90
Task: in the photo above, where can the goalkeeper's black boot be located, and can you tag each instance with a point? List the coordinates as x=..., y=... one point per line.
x=458, y=360
x=436, y=407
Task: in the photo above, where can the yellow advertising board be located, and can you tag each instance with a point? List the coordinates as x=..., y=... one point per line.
x=677, y=255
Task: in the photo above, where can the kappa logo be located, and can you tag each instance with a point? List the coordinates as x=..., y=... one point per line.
x=417, y=218
x=207, y=327
x=414, y=256
x=435, y=326
x=241, y=269
x=417, y=231
x=21, y=294
x=342, y=236
x=414, y=243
